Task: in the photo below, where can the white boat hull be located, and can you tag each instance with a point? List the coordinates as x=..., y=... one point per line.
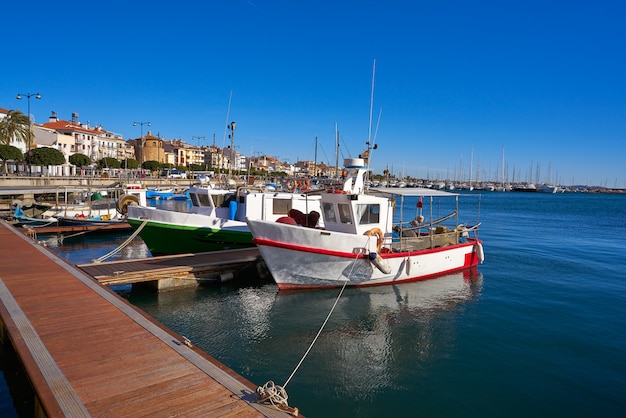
x=313, y=258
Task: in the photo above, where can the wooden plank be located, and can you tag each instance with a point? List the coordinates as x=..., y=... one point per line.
x=124, y=226
x=114, y=358
x=182, y=266
x=67, y=399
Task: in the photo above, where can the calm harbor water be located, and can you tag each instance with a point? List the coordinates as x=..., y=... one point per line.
x=538, y=330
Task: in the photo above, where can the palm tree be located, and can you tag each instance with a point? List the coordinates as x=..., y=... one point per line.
x=15, y=125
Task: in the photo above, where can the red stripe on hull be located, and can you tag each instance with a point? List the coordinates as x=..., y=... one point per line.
x=473, y=258
x=469, y=272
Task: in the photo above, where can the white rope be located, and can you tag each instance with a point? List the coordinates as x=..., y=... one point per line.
x=273, y=393
x=124, y=244
x=276, y=394
x=60, y=238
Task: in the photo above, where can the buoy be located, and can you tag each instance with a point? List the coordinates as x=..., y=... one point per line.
x=379, y=235
x=124, y=201
x=480, y=253
x=379, y=262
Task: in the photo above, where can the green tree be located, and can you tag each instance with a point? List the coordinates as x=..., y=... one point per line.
x=14, y=125
x=129, y=163
x=10, y=153
x=108, y=162
x=45, y=156
x=151, y=165
x=80, y=160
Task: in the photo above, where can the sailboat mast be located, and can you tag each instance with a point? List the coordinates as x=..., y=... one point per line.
x=471, y=163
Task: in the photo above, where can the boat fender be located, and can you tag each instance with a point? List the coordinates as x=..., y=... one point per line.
x=226, y=276
x=379, y=263
x=480, y=253
x=408, y=266
x=232, y=210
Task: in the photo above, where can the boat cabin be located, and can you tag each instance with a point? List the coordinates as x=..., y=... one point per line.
x=252, y=202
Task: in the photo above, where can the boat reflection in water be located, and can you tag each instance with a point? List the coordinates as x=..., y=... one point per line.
x=85, y=247
x=378, y=339
x=374, y=334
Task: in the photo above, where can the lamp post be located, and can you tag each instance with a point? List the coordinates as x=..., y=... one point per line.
x=199, y=148
x=30, y=124
x=143, y=143
x=231, y=128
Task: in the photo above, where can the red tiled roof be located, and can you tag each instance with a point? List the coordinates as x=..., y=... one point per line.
x=66, y=125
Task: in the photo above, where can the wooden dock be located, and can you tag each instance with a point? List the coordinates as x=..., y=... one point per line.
x=88, y=352
x=174, y=270
x=118, y=227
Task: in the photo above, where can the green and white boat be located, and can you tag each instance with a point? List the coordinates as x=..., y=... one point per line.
x=217, y=220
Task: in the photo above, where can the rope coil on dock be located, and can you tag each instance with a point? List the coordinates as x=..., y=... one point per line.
x=271, y=393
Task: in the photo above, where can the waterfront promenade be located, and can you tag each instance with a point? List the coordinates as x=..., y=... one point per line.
x=87, y=352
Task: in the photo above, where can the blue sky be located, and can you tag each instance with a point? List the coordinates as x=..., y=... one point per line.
x=545, y=81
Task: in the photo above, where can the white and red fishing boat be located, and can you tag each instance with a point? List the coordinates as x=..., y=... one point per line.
x=363, y=243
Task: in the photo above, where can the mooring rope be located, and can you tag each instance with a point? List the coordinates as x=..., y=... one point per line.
x=276, y=394
x=124, y=244
x=60, y=238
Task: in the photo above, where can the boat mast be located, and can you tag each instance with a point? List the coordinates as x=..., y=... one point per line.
x=315, y=163
x=336, y=151
x=219, y=171
x=470, y=176
x=369, y=130
x=503, y=167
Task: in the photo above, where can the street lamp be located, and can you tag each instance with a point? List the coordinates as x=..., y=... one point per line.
x=199, y=148
x=143, y=143
x=231, y=128
x=30, y=124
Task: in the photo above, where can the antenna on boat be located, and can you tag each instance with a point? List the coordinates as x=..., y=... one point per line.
x=370, y=146
x=219, y=171
x=337, y=151
x=369, y=132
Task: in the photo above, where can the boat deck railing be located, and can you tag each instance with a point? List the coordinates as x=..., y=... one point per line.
x=438, y=237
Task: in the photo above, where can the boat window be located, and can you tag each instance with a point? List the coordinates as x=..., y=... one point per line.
x=203, y=199
x=344, y=213
x=281, y=206
x=222, y=200
x=329, y=212
x=194, y=199
x=368, y=214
